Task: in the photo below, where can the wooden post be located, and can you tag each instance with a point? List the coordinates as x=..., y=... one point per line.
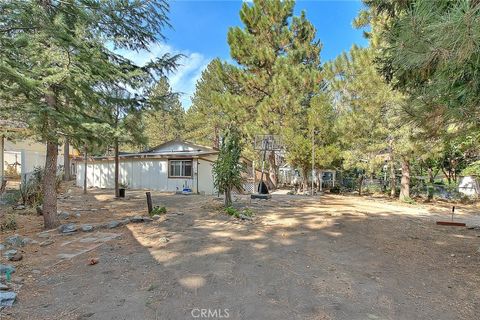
x=149, y=202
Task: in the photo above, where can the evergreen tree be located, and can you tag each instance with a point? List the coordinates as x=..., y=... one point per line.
x=55, y=66
x=429, y=50
x=311, y=137
x=217, y=105
x=279, y=60
x=227, y=169
x=371, y=119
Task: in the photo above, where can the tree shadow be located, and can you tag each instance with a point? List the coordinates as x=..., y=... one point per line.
x=301, y=258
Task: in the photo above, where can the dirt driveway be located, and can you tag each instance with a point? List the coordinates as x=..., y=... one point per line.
x=331, y=257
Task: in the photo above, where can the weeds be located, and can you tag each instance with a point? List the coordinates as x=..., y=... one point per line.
x=158, y=210
x=231, y=211
x=409, y=200
x=11, y=197
x=10, y=222
x=247, y=212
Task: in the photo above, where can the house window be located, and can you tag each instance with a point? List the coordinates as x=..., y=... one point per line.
x=180, y=169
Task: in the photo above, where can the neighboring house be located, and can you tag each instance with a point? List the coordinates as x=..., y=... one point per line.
x=469, y=186
x=18, y=155
x=21, y=157
x=171, y=166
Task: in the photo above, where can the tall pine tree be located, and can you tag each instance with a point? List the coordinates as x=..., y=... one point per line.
x=55, y=65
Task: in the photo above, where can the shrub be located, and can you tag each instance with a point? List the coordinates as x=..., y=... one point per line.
x=231, y=211
x=31, y=190
x=11, y=197
x=10, y=222
x=335, y=190
x=158, y=210
x=248, y=212
x=228, y=169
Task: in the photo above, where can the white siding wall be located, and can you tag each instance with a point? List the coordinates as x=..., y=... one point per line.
x=28, y=153
x=205, y=177
x=149, y=174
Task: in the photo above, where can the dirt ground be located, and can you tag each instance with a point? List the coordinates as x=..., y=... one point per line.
x=326, y=257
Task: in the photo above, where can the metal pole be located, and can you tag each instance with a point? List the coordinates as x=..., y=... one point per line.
x=2, y=163
x=254, y=176
x=85, y=170
x=313, y=158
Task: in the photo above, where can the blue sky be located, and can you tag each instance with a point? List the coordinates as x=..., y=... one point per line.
x=199, y=31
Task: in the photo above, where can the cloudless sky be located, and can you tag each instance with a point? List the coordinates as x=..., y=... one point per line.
x=199, y=30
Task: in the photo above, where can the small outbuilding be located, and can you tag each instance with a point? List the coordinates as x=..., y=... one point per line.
x=171, y=166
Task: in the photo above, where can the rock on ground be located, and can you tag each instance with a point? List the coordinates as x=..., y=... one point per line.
x=63, y=215
x=67, y=228
x=86, y=228
x=13, y=255
x=15, y=241
x=136, y=219
x=113, y=224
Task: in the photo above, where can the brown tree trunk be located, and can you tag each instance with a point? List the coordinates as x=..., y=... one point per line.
x=431, y=180
x=304, y=180
x=228, y=198
x=117, y=185
x=405, y=183
x=49, y=186
x=273, y=169
x=360, y=184
x=66, y=161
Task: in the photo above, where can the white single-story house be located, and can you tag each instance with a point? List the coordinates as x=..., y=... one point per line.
x=171, y=166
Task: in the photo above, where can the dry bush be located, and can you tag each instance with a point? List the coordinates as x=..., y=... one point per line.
x=31, y=190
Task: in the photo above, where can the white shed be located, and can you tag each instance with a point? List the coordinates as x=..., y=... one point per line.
x=171, y=166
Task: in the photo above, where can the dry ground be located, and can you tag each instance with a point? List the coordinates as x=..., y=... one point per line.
x=328, y=257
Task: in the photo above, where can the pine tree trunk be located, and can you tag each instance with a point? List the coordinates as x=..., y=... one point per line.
x=49, y=186
x=405, y=183
x=216, y=138
x=304, y=180
x=431, y=180
x=117, y=185
x=360, y=184
x=66, y=161
x=228, y=198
